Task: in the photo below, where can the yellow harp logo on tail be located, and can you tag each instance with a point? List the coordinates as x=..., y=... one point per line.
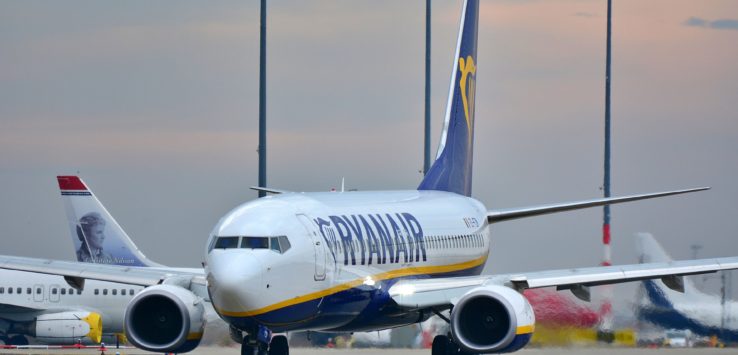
x=467, y=84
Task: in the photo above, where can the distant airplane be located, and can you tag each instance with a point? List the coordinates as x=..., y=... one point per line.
x=362, y=261
x=691, y=309
x=46, y=308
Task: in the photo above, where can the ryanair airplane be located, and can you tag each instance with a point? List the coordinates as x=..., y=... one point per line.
x=358, y=261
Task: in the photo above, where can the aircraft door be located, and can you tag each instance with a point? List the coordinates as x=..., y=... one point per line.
x=38, y=293
x=320, y=254
x=54, y=293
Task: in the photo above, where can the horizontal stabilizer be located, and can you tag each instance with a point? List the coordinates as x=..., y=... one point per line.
x=495, y=216
x=268, y=190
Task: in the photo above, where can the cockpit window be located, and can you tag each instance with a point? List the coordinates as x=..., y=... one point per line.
x=284, y=243
x=255, y=243
x=278, y=244
x=226, y=242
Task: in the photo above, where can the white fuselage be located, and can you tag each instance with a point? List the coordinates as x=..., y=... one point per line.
x=40, y=294
x=26, y=295
x=346, y=249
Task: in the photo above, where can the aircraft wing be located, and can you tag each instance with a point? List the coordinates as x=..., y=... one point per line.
x=443, y=292
x=495, y=216
x=75, y=273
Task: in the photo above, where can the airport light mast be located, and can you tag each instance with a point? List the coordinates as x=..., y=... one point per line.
x=262, y=100
x=606, y=309
x=426, y=148
x=607, y=260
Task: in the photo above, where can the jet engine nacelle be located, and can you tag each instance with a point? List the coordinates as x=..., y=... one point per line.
x=67, y=327
x=492, y=319
x=165, y=318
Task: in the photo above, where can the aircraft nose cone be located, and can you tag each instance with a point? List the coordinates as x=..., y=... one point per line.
x=234, y=281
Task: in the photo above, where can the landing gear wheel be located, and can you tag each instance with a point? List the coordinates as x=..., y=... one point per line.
x=442, y=345
x=248, y=348
x=18, y=340
x=279, y=346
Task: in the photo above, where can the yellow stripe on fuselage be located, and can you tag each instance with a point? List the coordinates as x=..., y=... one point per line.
x=526, y=329
x=410, y=271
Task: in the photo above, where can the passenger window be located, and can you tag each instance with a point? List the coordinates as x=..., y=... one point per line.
x=123, y=292
x=97, y=291
x=64, y=291
x=131, y=292
x=38, y=291
x=105, y=292
x=115, y=292
x=226, y=242
x=19, y=290
x=71, y=291
x=2, y=290
x=28, y=290
x=54, y=291
x=79, y=292
x=10, y=290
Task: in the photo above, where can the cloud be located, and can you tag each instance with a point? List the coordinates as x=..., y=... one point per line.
x=695, y=22
x=722, y=24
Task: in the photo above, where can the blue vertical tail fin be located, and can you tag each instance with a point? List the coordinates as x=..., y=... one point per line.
x=452, y=169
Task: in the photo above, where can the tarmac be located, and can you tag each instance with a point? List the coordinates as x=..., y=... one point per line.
x=323, y=351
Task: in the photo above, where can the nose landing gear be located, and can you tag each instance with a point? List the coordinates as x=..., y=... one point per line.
x=265, y=344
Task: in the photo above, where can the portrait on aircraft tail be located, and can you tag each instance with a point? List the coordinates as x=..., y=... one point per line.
x=91, y=232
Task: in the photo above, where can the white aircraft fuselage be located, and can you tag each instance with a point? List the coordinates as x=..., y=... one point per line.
x=26, y=296
x=347, y=249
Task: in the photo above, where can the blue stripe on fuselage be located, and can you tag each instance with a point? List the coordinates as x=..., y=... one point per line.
x=663, y=313
x=356, y=309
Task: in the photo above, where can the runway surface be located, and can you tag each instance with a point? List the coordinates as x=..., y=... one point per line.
x=316, y=351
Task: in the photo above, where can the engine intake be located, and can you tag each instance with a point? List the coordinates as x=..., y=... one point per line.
x=492, y=319
x=165, y=318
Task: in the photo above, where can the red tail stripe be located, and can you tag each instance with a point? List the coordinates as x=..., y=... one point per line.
x=71, y=183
